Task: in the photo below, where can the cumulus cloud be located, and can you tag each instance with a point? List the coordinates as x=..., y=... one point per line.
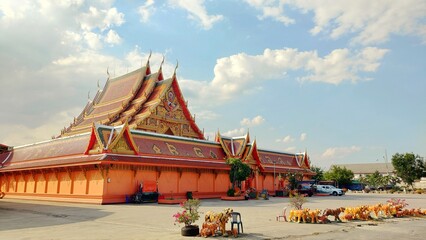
x=286, y=139
x=303, y=137
x=19, y=134
x=235, y=132
x=53, y=69
x=93, y=40
x=204, y=114
x=102, y=19
x=234, y=74
x=271, y=9
x=252, y=122
x=197, y=11
x=146, y=10
x=112, y=38
x=370, y=22
x=339, y=152
x=290, y=149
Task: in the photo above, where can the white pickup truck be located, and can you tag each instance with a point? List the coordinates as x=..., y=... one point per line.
x=329, y=189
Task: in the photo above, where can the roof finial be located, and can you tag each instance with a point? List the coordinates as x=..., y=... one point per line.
x=149, y=57
x=162, y=62
x=160, y=71
x=108, y=72
x=177, y=65
x=99, y=87
x=88, y=96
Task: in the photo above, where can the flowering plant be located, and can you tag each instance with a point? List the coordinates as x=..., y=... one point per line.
x=190, y=213
x=397, y=202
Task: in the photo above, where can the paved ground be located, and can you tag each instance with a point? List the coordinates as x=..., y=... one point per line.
x=49, y=220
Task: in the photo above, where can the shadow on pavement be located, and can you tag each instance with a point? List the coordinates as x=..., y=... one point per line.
x=21, y=215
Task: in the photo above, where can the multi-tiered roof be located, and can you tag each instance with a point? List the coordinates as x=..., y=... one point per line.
x=141, y=118
x=145, y=100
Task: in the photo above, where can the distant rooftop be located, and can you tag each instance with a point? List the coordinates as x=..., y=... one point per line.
x=368, y=168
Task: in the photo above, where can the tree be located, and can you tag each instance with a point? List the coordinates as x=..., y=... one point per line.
x=374, y=180
x=342, y=176
x=319, y=173
x=408, y=167
x=239, y=171
x=293, y=179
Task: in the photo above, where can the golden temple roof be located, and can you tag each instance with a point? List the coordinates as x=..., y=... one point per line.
x=139, y=98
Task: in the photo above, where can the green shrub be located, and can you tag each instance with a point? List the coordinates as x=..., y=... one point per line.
x=230, y=192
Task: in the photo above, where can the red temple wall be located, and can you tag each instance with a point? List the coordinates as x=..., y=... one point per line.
x=268, y=183
x=260, y=182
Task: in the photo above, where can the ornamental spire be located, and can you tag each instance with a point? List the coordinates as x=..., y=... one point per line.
x=174, y=73
x=108, y=72
x=160, y=71
x=147, y=65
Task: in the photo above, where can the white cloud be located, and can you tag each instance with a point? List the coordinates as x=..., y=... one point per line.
x=93, y=40
x=14, y=10
x=290, y=149
x=271, y=9
x=303, y=137
x=235, y=132
x=252, y=122
x=370, y=22
x=60, y=84
x=20, y=134
x=204, y=114
x=236, y=73
x=286, y=139
x=198, y=12
x=339, y=152
x=112, y=38
x=145, y=11
x=102, y=19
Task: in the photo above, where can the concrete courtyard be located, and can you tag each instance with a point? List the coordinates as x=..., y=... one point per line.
x=21, y=219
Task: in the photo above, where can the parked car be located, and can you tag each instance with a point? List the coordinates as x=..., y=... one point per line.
x=329, y=190
x=305, y=189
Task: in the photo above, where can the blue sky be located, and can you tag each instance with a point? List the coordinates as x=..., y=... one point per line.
x=344, y=80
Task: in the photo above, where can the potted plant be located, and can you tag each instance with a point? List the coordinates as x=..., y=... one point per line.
x=188, y=217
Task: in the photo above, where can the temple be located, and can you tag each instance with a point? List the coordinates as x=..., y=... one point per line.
x=137, y=130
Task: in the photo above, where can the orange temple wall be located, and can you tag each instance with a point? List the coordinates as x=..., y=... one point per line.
x=114, y=184
x=94, y=186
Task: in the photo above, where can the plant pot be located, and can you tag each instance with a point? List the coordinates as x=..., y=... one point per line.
x=190, y=231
